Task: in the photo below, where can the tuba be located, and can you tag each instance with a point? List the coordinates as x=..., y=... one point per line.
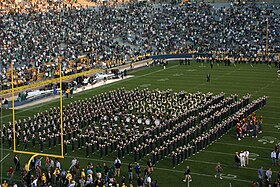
x=157, y=112
x=169, y=105
x=159, y=103
x=154, y=105
x=136, y=104
x=130, y=107
x=175, y=97
x=164, y=100
x=162, y=109
x=153, y=97
x=169, y=99
x=142, y=110
x=174, y=103
x=149, y=109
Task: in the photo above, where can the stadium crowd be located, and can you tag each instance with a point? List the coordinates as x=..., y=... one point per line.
x=36, y=39
x=149, y=125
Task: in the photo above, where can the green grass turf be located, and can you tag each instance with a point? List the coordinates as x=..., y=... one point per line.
x=258, y=80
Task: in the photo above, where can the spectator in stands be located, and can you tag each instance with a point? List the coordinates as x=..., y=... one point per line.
x=35, y=53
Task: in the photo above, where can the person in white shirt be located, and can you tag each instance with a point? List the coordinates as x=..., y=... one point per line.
x=149, y=181
x=246, y=153
x=73, y=163
x=242, y=159
x=273, y=157
x=57, y=164
x=268, y=174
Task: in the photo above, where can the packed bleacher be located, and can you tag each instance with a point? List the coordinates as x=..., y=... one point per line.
x=37, y=37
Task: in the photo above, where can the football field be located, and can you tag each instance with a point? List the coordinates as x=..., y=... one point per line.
x=240, y=79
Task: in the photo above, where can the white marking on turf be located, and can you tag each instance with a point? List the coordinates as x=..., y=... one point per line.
x=205, y=175
x=262, y=88
x=277, y=132
x=252, y=155
x=229, y=176
x=269, y=66
x=257, y=147
x=267, y=139
x=276, y=126
x=251, y=65
x=145, y=85
x=215, y=163
x=4, y=157
x=177, y=75
x=163, y=80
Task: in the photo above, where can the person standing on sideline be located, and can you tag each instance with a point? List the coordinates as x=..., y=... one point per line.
x=260, y=176
x=208, y=77
x=242, y=158
x=273, y=157
x=219, y=170
x=237, y=160
x=118, y=165
x=268, y=175
x=17, y=163
x=246, y=154
x=130, y=174
x=188, y=175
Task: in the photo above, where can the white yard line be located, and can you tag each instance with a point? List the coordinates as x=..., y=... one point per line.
x=4, y=157
x=201, y=174
x=238, y=145
x=262, y=88
x=231, y=154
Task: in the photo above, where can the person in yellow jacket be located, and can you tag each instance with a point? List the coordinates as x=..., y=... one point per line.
x=69, y=177
x=56, y=174
x=83, y=174
x=44, y=179
x=5, y=184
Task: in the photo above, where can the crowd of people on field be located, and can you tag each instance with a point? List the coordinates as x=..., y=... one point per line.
x=147, y=124
x=52, y=173
x=36, y=41
x=265, y=178
x=251, y=126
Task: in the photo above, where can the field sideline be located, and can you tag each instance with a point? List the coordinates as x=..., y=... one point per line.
x=258, y=80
